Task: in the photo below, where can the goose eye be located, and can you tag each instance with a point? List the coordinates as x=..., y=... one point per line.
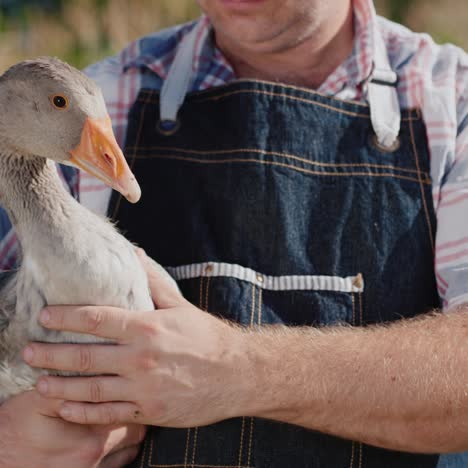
x=60, y=102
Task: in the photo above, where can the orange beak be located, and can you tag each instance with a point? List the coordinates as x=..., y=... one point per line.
x=99, y=154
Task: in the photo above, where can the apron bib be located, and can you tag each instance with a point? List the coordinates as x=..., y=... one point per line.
x=274, y=204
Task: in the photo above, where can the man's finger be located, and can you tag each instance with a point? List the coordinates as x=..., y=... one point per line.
x=164, y=290
x=101, y=413
x=45, y=406
x=105, y=322
x=88, y=389
x=84, y=358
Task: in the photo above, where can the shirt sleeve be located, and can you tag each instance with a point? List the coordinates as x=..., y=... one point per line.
x=451, y=260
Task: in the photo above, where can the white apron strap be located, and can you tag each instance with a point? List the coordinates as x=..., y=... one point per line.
x=179, y=77
x=382, y=95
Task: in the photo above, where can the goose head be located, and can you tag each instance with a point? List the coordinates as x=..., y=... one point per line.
x=51, y=110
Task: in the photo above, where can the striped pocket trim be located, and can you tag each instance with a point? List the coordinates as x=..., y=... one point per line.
x=350, y=284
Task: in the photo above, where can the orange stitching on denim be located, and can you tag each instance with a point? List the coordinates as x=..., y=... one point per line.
x=155, y=96
x=200, y=300
x=351, y=464
x=207, y=287
x=150, y=456
x=353, y=317
x=260, y=305
x=132, y=161
x=294, y=98
x=426, y=210
x=196, y=95
x=289, y=166
x=203, y=307
x=195, y=437
x=298, y=88
x=241, y=448
x=252, y=319
x=281, y=95
x=279, y=154
x=252, y=309
x=187, y=443
x=194, y=447
x=360, y=455
x=145, y=445
x=249, y=454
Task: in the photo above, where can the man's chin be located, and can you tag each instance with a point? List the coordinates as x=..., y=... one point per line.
x=248, y=34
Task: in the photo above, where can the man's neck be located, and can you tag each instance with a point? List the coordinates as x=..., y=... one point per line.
x=306, y=64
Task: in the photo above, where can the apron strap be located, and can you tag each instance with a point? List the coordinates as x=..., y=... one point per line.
x=382, y=94
x=179, y=77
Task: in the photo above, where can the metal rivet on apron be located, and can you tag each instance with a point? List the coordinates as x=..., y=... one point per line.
x=427, y=179
x=208, y=269
x=358, y=281
x=260, y=278
x=168, y=127
x=385, y=149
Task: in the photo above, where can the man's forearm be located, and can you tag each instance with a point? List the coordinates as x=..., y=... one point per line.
x=402, y=386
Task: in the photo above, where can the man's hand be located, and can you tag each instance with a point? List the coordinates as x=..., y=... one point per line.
x=400, y=386
x=33, y=434
x=177, y=366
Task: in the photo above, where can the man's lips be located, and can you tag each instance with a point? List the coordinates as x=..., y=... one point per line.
x=240, y=4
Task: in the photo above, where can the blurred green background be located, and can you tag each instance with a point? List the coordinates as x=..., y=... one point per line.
x=82, y=31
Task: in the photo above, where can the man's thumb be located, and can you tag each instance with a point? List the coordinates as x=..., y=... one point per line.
x=164, y=289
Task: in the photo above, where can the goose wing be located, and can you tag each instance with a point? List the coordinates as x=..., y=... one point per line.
x=15, y=375
x=7, y=302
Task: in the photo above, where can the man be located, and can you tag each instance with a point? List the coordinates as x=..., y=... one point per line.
x=298, y=195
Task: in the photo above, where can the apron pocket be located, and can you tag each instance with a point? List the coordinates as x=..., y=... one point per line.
x=252, y=298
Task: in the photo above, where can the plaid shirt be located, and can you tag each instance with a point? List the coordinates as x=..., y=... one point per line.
x=432, y=78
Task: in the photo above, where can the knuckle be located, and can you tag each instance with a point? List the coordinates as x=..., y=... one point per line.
x=146, y=360
x=93, y=318
x=109, y=416
x=95, y=391
x=84, y=415
x=148, y=329
x=84, y=359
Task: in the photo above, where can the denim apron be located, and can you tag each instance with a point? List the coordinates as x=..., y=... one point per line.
x=272, y=204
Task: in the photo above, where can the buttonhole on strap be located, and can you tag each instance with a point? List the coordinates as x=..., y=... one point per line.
x=374, y=141
x=168, y=127
x=393, y=84
x=384, y=77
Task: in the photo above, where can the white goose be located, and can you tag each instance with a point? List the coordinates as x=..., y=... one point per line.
x=54, y=113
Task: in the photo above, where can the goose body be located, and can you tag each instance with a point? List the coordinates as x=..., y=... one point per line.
x=69, y=254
